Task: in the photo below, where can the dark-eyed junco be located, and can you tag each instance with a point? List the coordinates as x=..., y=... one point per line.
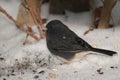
x=64, y=43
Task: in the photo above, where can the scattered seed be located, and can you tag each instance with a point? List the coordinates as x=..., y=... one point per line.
x=41, y=72
x=7, y=75
x=13, y=71
x=2, y=59
x=61, y=63
x=116, y=67
x=55, y=70
x=106, y=37
x=13, y=74
x=16, y=59
x=4, y=78
x=44, y=64
x=75, y=71
x=51, y=75
x=100, y=71
x=40, y=61
x=34, y=71
x=22, y=73
x=36, y=76
x=3, y=68
x=113, y=67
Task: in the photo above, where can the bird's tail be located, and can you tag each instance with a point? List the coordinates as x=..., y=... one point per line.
x=107, y=52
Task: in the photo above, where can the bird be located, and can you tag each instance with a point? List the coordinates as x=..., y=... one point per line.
x=67, y=45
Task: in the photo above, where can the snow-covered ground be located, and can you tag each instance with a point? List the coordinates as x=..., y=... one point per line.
x=35, y=62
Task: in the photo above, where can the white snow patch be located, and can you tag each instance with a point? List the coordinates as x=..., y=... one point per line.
x=28, y=60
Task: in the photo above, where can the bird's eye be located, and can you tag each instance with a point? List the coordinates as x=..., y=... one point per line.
x=64, y=37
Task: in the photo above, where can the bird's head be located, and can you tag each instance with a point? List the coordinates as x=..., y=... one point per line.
x=55, y=26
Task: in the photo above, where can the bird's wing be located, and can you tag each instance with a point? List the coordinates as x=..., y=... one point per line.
x=83, y=43
x=66, y=50
x=69, y=47
x=71, y=43
x=80, y=41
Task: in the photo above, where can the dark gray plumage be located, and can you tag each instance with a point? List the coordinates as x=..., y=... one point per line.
x=63, y=42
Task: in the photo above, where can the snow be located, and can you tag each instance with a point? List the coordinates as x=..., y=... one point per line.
x=29, y=60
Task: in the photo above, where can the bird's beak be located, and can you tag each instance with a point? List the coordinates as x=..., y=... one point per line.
x=44, y=29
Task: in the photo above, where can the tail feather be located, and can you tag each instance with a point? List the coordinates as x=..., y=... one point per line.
x=107, y=52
